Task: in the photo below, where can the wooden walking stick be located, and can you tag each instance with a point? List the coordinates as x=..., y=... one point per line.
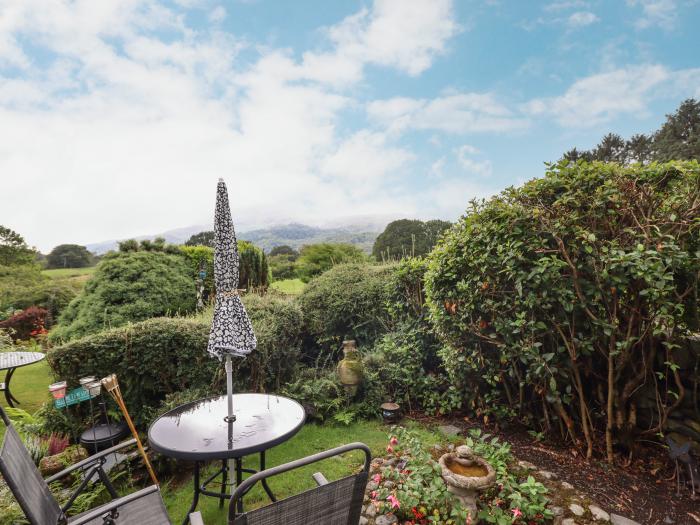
x=111, y=385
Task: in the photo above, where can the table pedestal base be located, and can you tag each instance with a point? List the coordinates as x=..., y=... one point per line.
x=6, y=387
x=223, y=494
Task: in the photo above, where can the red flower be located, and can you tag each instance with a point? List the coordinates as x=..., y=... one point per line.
x=516, y=512
x=393, y=441
x=390, y=449
x=417, y=513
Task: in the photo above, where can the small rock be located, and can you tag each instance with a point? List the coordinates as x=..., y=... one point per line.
x=386, y=519
x=526, y=465
x=598, y=513
x=576, y=509
x=568, y=521
x=450, y=447
x=449, y=430
x=616, y=519
x=389, y=485
x=372, y=485
x=567, y=486
x=363, y=521
x=371, y=511
x=556, y=511
x=668, y=519
x=547, y=474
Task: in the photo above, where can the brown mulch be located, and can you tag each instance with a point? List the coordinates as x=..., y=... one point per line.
x=644, y=490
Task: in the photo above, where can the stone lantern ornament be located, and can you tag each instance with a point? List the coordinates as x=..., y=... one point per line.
x=465, y=475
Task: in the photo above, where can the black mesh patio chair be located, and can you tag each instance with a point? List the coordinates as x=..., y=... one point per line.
x=144, y=507
x=331, y=503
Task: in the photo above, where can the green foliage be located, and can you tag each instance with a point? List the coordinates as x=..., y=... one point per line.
x=126, y=287
x=284, y=249
x=346, y=302
x=14, y=249
x=677, y=139
x=69, y=256
x=205, y=238
x=283, y=266
x=253, y=267
x=314, y=259
x=319, y=392
x=590, y=270
x=147, y=245
x=162, y=356
x=408, y=238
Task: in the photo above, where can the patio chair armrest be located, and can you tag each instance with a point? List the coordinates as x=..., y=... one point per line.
x=196, y=518
x=89, y=461
x=114, y=504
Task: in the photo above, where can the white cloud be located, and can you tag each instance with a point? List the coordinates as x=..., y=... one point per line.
x=437, y=168
x=451, y=113
x=604, y=96
x=582, y=19
x=565, y=5
x=138, y=114
x=661, y=13
x=465, y=156
x=218, y=14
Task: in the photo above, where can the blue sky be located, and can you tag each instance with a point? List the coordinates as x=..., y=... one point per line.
x=117, y=117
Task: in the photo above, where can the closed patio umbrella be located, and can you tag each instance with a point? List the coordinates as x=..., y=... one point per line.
x=231, y=331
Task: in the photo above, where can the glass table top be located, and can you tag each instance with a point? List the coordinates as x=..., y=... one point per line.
x=17, y=359
x=198, y=430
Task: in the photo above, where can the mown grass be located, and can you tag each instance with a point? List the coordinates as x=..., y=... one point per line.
x=59, y=273
x=289, y=286
x=29, y=385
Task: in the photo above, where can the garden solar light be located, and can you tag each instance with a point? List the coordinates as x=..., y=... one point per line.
x=111, y=385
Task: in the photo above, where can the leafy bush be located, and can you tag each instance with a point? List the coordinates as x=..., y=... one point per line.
x=407, y=238
x=26, y=324
x=283, y=266
x=128, y=286
x=552, y=295
x=162, y=356
x=348, y=301
x=314, y=259
x=253, y=268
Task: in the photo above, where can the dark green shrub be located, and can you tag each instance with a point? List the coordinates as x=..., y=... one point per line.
x=314, y=259
x=407, y=238
x=348, y=301
x=283, y=266
x=127, y=287
x=25, y=286
x=164, y=356
x=561, y=298
x=69, y=256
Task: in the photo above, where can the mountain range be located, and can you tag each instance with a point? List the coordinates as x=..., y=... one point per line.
x=361, y=232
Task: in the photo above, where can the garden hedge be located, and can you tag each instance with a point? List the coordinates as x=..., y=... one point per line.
x=565, y=299
x=164, y=356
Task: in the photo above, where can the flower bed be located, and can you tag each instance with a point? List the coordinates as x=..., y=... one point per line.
x=406, y=486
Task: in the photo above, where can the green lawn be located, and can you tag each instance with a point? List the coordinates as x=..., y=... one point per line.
x=289, y=286
x=29, y=385
x=56, y=273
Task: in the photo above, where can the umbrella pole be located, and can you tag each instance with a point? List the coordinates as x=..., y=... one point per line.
x=231, y=418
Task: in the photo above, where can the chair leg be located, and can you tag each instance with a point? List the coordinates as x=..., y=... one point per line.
x=264, y=481
x=239, y=480
x=224, y=479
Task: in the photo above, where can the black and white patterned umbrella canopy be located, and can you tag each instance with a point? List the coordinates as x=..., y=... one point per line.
x=231, y=331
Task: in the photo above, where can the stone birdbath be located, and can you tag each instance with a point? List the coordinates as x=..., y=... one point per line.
x=465, y=475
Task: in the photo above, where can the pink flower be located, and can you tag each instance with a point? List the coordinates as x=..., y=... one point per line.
x=377, y=478
x=374, y=494
x=516, y=512
x=394, y=502
x=393, y=441
x=469, y=519
x=390, y=449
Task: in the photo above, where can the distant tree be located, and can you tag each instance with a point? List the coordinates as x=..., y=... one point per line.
x=282, y=266
x=408, y=238
x=14, y=249
x=130, y=245
x=205, y=238
x=679, y=137
x=69, y=256
x=314, y=259
x=284, y=249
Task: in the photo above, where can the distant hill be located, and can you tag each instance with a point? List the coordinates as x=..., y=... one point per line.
x=362, y=234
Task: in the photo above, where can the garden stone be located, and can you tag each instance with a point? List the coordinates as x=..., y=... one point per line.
x=389, y=485
x=567, y=486
x=386, y=519
x=371, y=511
x=547, y=474
x=616, y=519
x=363, y=521
x=526, y=465
x=576, y=509
x=50, y=465
x=372, y=485
x=598, y=513
x=449, y=430
x=556, y=511
x=568, y=521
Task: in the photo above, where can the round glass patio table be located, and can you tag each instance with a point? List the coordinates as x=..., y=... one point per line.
x=199, y=432
x=11, y=361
